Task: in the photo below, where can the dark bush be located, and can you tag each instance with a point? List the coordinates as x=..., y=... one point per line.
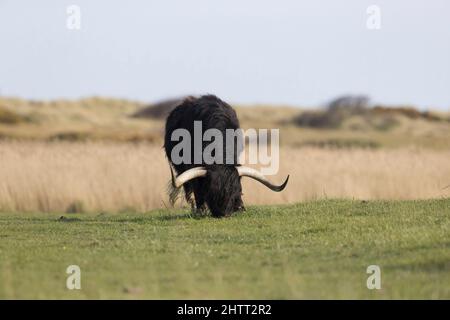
x=336, y=112
x=76, y=207
x=340, y=144
x=10, y=117
x=70, y=136
x=158, y=110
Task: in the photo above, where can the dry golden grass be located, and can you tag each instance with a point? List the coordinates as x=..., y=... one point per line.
x=38, y=176
x=96, y=177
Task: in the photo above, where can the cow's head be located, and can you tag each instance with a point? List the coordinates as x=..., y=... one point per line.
x=222, y=186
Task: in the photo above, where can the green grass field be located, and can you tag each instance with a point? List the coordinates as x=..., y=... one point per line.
x=309, y=250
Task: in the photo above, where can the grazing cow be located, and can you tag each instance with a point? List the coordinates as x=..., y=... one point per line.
x=217, y=185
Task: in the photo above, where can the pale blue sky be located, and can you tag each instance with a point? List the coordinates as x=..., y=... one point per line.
x=289, y=52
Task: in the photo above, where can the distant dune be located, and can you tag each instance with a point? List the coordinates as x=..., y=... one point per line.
x=104, y=119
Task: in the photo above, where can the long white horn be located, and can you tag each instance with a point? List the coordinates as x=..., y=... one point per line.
x=187, y=175
x=258, y=176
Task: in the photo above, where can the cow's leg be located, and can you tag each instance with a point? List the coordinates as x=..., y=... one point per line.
x=188, y=194
x=239, y=206
x=199, y=201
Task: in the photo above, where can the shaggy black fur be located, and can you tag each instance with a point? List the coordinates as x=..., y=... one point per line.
x=221, y=188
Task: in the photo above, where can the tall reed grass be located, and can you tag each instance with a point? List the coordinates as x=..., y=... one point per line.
x=114, y=177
